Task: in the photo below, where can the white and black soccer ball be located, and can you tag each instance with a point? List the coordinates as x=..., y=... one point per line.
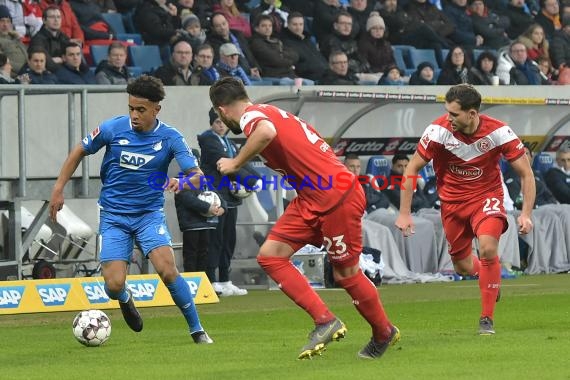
x=240, y=191
x=91, y=327
x=211, y=198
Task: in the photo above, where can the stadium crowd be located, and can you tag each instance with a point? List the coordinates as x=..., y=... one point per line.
x=267, y=42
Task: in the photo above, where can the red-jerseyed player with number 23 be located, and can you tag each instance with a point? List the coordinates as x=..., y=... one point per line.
x=323, y=215
x=466, y=147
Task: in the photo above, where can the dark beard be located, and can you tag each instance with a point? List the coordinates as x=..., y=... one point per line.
x=232, y=125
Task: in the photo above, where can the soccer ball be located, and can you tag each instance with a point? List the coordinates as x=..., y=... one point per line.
x=240, y=191
x=211, y=198
x=91, y=327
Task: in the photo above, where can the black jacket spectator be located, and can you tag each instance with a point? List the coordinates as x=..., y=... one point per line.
x=546, y=23
x=325, y=16
x=332, y=78
x=349, y=46
x=311, y=63
x=393, y=193
x=520, y=21
x=107, y=74
x=526, y=74
x=275, y=60
x=155, y=24
x=68, y=75
x=53, y=44
x=427, y=13
x=492, y=27
x=513, y=182
x=171, y=76
x=559, y=184
x=189, y=209
x=560, y=48
x=377, y=52
x=375, y=199
x=45, y=77
x=463, y=34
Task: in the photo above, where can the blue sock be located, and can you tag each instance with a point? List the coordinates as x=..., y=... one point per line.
x=122, y=295
x=182, y=297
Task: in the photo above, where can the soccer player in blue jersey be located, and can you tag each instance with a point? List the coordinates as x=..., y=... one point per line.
x=137, y=146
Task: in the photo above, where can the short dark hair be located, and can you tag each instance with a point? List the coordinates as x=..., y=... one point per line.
x=146, y=87
x=295, y=14
x=399, y=157
x=260, y=18
x=227, y=91
x=50, y=8
x=71, y=44
x=37, y=49
x=116, y=45
x=465, y=95
x=204, y=46
x=351, y=156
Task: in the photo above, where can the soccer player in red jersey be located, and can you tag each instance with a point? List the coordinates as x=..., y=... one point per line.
x=466, y=147
x=324, y=214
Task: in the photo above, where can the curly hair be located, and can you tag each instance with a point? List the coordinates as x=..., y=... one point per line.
x=146, y=87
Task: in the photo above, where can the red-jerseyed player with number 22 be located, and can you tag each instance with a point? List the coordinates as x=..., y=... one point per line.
x=466, y=147
x=322, y=215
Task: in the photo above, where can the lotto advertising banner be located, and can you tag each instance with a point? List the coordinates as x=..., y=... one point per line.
x=72, y=294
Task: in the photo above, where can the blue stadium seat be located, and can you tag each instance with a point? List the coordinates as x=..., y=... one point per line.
x=135, y=71
x=427, y=172
x=266, y=195
x=378, y=166
x=146, y=57
x=98, y=53
x=542, y=162
x=399, y=58
x=418, y=56
x=504, y=165
x=405, y=53
x=115, y=21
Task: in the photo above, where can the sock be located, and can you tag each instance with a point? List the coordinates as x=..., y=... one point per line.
x=180, y=293
x=476, y=266
x=296, y=287
x=365, y=298
x=122, y=295
x=489, y=282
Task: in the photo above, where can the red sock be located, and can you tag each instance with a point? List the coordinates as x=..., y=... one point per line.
x=476, y=266
x=489, y=283
x=365, y=297
x=296, y=287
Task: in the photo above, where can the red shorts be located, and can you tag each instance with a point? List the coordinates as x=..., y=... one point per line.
x=339, y=230
x=464, y=221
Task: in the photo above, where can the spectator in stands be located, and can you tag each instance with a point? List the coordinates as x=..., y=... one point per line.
x=69, y=23
x=392, y=76
x=375, y=199
x=326, y=12
x=51, y=38
x=360, y=11
x=88, y=13
x=489, y=25
x=220, y=34
x=515, y=68
x=424, y=75
x=423, y=12
x=113, y=70
x=513, y=182
x=158, y=23
x=192, y=31
x=560, y=45
x=74, y=70
x=343, y=39
x=548, y=17
x=455, y=68
x=193, y=8
x=10, y=43
x=179, y=71
x=520, y=19
x=276, y=10
x=558, y=177
x=463, y=34
x=399, y=164
x=228, y=66
x=484, y=70
x=404, y=30
x=204, y=61
x=374, y=47
x=546, y=68
x=338, y=72
x=311, y=63
x=6, y=71
x=36, y=69
x=275, y=59
x=535, y=42
x=16, y=14
x=235, y=20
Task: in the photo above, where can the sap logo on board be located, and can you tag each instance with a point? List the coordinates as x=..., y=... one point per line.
x=10, y=296
x=95, y=292
x=143, y=290
x=134, y=161
x=53, y=295
x=193, y=284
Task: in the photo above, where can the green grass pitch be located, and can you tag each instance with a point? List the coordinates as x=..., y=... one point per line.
x=258, y=336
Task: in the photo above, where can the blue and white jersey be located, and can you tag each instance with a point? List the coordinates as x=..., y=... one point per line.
x=131, y=159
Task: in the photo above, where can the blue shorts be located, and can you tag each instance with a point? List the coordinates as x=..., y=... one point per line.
x=119, y=233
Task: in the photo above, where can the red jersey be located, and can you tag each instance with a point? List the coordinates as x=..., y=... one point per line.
x=467, y=167
x=301, y=155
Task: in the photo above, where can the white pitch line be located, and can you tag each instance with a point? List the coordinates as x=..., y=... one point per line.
x=502, y=286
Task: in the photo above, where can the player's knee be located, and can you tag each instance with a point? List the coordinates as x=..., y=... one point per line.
x=113, y=288
x=168, y=275
x=488, y=250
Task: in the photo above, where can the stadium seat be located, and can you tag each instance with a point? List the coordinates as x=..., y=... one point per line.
x=405, y=53
x=115, y=21
x=418, y=56
x=399, y=58
x=135, y=71
x=267, y=195
x=378, y=166
x=504, y=165
x=98, y=53
x=147, y=57
x=542, y=162
x=427, y=171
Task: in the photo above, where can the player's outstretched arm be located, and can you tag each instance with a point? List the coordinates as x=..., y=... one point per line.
x=262, y=136
x=71, y=163
x=405, y=222
x=528, y=188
